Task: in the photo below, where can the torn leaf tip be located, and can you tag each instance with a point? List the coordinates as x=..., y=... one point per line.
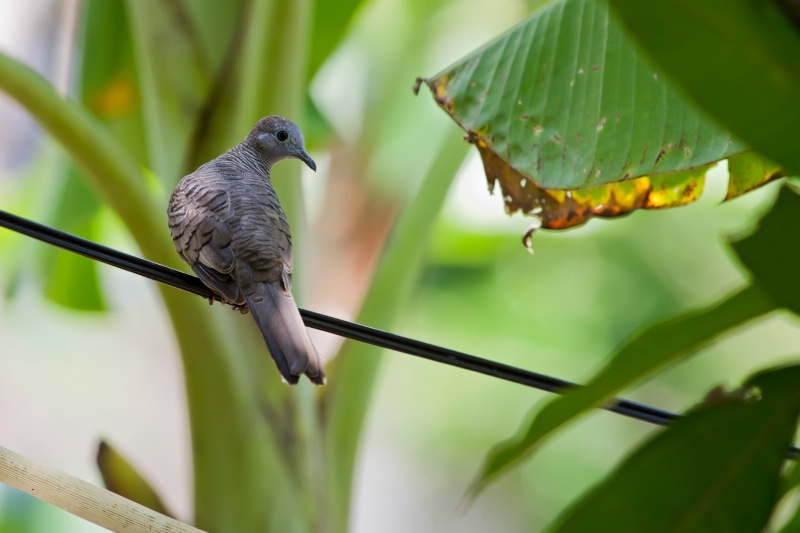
x=526, y=238
x=417, y=84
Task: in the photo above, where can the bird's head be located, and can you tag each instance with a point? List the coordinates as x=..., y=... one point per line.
x=277, y=138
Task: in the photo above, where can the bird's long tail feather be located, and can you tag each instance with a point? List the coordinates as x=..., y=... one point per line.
x=282, y=327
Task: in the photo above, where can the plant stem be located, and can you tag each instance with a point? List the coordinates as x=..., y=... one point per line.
x=111, y=170
x=354, y=371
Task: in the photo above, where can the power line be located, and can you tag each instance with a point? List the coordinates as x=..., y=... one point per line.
x=343, y=328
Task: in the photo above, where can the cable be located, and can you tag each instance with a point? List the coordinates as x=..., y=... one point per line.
x=343, y=328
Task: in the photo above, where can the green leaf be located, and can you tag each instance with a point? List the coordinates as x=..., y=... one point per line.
x=106, y=85
x=120, y=477
x=793, y=525
x=318, y=129
x=791, y=479
x=772, y=252
x=174, y=81
x=566, y=99
x=648, y=351
x=738, y=59
x=717, y=469
x=329, y=24
x=72, y=280
x=748, y=171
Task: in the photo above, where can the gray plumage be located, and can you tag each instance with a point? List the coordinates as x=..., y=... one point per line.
x=227, y=223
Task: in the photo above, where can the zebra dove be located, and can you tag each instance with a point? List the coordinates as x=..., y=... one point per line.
x=227, y=223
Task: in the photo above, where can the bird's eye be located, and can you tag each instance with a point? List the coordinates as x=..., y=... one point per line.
x=282, y=135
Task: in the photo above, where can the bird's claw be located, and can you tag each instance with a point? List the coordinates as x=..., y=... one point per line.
x=242, y=308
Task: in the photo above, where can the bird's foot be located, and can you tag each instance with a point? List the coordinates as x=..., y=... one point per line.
x=242, y=308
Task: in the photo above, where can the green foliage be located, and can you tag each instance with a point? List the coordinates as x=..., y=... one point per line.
x=647, y=352
x=748, y=74
x=717, y=469
x=72, y=280
x=772, y=252
x=120, y=477
x=565, y=99
x=748, y=171
x=329, y=26
x=769, y=253
x=352, y=375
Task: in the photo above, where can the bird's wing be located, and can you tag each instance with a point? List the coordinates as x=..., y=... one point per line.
x=201, y=236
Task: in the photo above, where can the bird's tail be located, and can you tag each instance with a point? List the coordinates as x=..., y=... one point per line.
x=286, y=335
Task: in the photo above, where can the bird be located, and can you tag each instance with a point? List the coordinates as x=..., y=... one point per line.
x=227, y=223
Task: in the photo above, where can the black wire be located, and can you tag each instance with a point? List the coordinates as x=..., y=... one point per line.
x=343, y=328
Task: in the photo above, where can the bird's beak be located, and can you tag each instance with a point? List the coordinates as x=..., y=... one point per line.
x=303, y=156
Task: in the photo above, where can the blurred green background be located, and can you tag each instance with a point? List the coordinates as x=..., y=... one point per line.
x=70, y=377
